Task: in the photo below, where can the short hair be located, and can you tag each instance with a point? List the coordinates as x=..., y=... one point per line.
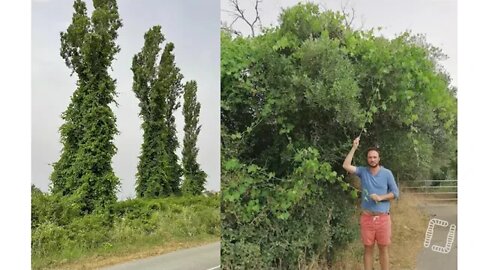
x=373, y=148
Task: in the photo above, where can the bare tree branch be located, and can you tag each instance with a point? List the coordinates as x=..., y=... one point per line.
x=229, y=29
x=257, y=14
x=348, y=17
x=239, y=13
x=234, y=20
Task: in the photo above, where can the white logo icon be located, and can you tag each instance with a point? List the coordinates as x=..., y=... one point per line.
x=450, y=237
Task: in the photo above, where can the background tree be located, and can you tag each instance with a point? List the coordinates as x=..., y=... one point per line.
x=194, y=177
x=84, y=169
x=157, y=86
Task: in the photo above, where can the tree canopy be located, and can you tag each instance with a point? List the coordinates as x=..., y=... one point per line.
x=293, y=98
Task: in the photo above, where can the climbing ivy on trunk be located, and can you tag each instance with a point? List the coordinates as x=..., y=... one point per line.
x=194, y=177
x=157, y=85
x=84, y=169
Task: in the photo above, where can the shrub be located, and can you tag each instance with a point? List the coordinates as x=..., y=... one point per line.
x=276, y=223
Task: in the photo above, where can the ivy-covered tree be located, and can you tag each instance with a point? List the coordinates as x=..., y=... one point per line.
x=175, y=88
x=157, y=86
x=194, y=177
x=299, y=93
x=84, y=169
x=313, y=81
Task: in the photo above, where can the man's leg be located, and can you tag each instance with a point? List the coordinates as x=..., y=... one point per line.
x=367, y=231
x=368, y=257
x=384, y=263
x=384, y=234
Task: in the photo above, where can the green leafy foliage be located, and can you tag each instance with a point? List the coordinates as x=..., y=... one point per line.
x=282, y=219
x=84, y=169
x=157, y=86
x=306, y=89
x=60, y=233
x=194, y=177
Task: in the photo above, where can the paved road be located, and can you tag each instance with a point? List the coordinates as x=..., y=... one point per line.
x=441, y=259
x=199, y=258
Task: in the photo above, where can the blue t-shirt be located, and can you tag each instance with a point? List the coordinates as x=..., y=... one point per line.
x=380, y=184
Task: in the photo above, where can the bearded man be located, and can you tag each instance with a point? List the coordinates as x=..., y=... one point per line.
x=378, y=189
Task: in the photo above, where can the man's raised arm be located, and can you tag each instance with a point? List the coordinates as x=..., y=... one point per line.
x=347, y=163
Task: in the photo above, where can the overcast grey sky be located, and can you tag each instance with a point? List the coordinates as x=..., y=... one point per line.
x=437, y=19
x=193, y=26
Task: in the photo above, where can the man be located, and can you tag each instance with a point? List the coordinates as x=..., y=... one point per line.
x=378, y=188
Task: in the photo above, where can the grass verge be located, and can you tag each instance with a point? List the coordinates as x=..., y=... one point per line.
x=136, y=228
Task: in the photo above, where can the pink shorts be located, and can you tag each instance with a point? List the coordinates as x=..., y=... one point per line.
x=375, y=228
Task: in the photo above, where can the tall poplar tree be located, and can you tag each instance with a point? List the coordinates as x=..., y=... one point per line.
x=88, y=47
x=174, y=92
x=194, y=177
x=170, y=79
x=157, y=86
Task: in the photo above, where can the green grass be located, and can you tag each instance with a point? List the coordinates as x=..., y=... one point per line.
x=135, y=227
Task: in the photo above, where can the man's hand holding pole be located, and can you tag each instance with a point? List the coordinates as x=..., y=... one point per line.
x=347, y=163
